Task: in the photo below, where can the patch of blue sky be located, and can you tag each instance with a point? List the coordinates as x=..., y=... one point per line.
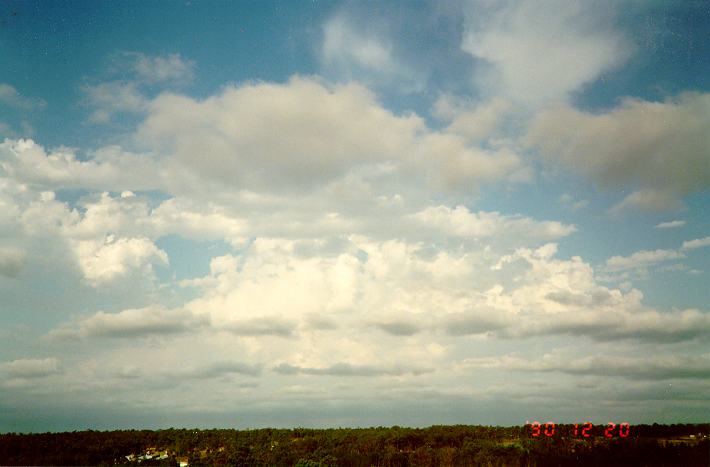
x=670, y=49
x=189, y=259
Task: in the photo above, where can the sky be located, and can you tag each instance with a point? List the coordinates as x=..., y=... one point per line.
x=343, y=214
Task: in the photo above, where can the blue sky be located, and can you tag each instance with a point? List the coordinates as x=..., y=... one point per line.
x=346, y=214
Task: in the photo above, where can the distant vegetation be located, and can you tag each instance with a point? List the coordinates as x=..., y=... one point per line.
x=435, y=446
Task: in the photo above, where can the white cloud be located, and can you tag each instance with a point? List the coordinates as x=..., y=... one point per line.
x=464, y=293
x=325, y=133
x=383, y=309
x=659, y=147
x=108, y=242
x=198, y=221
x=109, y=169
x=669, y=225
x=541, y=51
x=237, y=127
x=10, y=96
x=696, y=243
x=556, y=297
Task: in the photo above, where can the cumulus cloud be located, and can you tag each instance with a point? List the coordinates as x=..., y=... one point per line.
x=30, y=368
x=334, y=138
x=198, y=221
x=275, y=286
x=658, y=147
x=534, y=51
x=128, y=221
x=107, y=241
x=115, y=258
x=26, y=161
x=524, y=294
x=562, y=297
x=326, y=132
x=267, y=289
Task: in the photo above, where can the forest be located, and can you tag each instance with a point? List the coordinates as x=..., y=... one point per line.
x=459, y=445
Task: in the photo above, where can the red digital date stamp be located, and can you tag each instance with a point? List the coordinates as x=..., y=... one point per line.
x=578, y=430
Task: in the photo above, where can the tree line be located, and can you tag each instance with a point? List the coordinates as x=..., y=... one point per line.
x=458, y=445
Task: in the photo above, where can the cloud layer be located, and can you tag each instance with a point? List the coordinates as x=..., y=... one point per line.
x=449, y=213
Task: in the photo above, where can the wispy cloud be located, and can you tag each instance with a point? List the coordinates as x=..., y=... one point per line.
x=346, y=369
x=669, y=225
x=171, y=68
x=362, y=50
x=642, y=259
x=30, y=368
x=130, y=95
x=534, y=52
x=650, y=368
x=132, y=323
x=12, y=261
x=696, y=243
x=10, y=96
